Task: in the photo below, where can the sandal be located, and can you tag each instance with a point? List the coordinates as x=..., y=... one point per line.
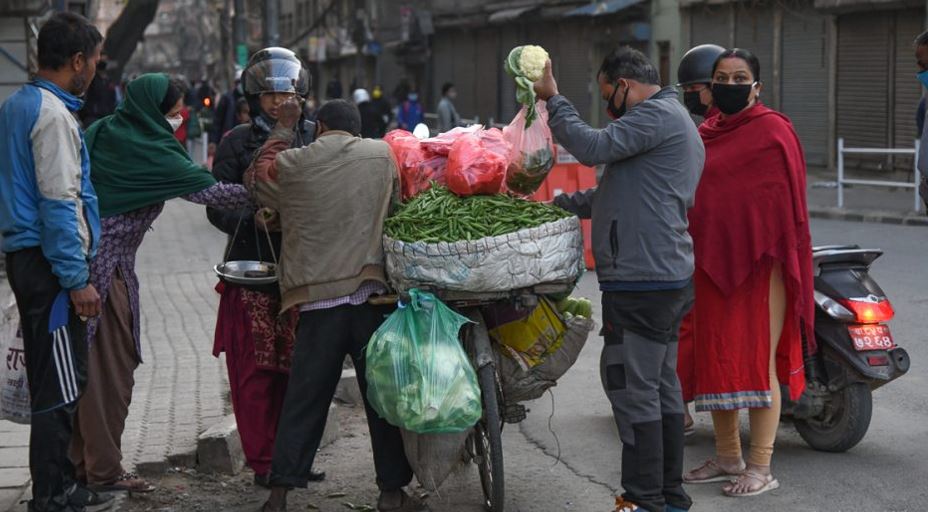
x=689, y=428
x=768, y=483
x=126, y=482
x=711, y=472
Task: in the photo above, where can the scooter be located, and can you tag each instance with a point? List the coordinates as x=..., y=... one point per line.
x=855, y=355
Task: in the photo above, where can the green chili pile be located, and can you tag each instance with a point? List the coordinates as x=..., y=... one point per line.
x=437, y=215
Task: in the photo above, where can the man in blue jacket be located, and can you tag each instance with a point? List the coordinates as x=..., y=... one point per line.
x=50, y=226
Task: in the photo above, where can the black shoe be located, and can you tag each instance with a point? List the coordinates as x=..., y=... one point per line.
x=263, y=480
x=399, y=501
x=316, y=476
x=83, y=498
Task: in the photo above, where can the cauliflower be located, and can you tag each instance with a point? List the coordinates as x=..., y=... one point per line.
x=532, y=62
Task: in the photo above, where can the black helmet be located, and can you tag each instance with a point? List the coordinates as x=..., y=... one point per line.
x=275, y=70
x=696, y=65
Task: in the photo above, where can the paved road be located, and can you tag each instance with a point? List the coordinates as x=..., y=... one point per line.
x=886, y=472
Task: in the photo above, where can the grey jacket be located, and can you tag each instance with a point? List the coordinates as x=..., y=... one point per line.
x=654, y=157
x=448, y=117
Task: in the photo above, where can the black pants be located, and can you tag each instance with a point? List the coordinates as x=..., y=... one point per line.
x=639, y=373
x=324, y=338
x=56, y=365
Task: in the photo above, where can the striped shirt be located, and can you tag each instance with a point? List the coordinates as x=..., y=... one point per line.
x=357, y=298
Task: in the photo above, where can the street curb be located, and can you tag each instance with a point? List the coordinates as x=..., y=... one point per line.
x=876, y=217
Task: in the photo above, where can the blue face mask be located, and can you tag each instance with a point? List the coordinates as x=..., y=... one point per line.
x=923, y=77
x=413, y=97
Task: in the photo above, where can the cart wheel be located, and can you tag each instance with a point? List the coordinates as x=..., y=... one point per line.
x=488, y=442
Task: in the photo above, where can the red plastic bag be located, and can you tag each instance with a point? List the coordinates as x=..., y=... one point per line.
x=409, y=156
x=533, y=154
x=441, y=143
x=477, y=164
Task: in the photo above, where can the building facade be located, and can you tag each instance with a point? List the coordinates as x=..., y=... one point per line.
x=837, y=68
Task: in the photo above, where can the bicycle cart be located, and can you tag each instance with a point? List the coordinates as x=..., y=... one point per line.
x=485, y=444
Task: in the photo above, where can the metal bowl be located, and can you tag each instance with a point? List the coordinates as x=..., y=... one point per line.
x=247, y=272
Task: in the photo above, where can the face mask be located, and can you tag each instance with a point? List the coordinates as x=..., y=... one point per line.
x=694, y=103
x=175, y=122
x=413, y=97
x=611, y=109
x=923, y=77
x=731, y=99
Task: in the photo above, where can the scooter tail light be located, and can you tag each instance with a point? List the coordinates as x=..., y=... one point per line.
x=833, y=308
x=869, y=311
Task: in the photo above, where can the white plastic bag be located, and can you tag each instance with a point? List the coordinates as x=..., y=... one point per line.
x=15, y=403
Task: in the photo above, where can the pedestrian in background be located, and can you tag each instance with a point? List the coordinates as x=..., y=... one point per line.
x=372, y=123
x=242, y=112
x=753, y=277
x=921, y=61
x=644, y=261
x=250, y=329
x=100, y=99
x=333, y=197
x=382, y=107
x=410, y=113
x=137, y=165
x=226, y=116
x=51, y=227
x=448, y=117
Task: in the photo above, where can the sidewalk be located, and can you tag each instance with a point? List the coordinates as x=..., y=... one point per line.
x=180, y=389
x=868, y=204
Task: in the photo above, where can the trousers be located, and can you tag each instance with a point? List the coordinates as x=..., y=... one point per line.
x=324, y=337
x=55, y=343
x=638, y=367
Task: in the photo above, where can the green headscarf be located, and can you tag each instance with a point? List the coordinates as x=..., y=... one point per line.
x=135, y=161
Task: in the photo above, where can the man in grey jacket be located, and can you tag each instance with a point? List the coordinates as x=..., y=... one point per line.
x=644, y=260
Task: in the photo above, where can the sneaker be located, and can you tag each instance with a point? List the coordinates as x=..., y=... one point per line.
x=83, y=498
x=623, y=505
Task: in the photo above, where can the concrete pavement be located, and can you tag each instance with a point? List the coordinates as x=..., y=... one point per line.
x=886, y=472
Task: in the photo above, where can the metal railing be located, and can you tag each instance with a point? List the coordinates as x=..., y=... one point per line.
x=842, y=180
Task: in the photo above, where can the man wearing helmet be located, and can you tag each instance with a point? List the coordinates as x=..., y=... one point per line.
x=256, y=339
x=695, y=75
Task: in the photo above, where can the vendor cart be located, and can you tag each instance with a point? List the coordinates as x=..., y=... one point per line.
x=485, y=445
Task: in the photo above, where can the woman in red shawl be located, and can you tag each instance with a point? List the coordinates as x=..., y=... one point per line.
x=753, y=278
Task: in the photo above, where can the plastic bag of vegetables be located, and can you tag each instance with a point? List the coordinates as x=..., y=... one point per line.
x=533, y=152
x=418, y=376
x=526, y=64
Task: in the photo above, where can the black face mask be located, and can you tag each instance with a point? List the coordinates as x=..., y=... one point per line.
x=614, y=112
x=694, y=103
x=731, y=99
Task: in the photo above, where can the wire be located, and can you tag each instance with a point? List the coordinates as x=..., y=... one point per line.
x=557, y=441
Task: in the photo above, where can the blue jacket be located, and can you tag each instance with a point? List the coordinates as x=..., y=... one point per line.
x=409, y=115
x=46, y=198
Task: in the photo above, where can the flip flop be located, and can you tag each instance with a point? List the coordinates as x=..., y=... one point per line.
x=769, y=484
x=717, y=474
x=689, y=429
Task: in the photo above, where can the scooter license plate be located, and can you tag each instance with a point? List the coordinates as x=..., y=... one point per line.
x=871, y=337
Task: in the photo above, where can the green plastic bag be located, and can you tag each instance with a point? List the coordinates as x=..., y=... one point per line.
x=418, y=376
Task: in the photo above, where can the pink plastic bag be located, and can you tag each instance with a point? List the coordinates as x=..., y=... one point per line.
x=441, y=143
x=533, y=154
x=477, y=163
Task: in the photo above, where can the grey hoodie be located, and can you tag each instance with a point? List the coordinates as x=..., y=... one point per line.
x=654, y=157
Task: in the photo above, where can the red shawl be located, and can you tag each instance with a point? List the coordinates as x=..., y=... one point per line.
x=751, y=204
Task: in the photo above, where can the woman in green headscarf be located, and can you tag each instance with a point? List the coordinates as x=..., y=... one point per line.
x=136, y=165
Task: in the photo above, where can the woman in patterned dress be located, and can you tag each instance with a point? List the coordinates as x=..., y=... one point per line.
x=136, y=165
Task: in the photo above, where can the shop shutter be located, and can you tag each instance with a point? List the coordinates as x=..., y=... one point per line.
x=710, y=24
x=754, y=32
x=443, y=57
x=465, y=73
x=508, y=39
x=864, y=83
x=576, y=73
x=489, y=67
x=804, y=81
x=907, y=87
